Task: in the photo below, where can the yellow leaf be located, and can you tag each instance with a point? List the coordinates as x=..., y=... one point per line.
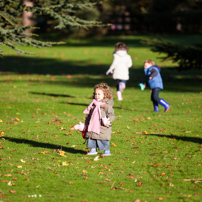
x=62, y=153
x=1, y=133
x=64, y=163
x=17, y=119
x=19, y=166
x=113, y=145
x=22, y=161
x=84, y=171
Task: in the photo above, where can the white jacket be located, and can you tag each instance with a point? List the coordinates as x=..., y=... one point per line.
x=120, y=65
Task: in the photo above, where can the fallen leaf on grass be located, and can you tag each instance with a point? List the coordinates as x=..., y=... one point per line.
x=17, y=119
x=73, y=146
x=64, y=163
x=45, y=152
x=192, y=179
x=22, y=161
x=61, y=153
x=96, y=158
x=1, y=133
x=113, y=145
x=160, y=198
x=3, y=196
x=10, y=184
x=114, y=188
x=12, y=191
x=7, y=175
x=139, y=184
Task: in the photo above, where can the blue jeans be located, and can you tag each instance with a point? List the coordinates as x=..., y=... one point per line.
x=155, y=95
x=100, y=144
x=117, y=83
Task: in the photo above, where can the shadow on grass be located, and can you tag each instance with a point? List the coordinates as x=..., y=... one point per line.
x=182, y=138
x=49, y=66
x=92, y=41
x=77, y=104
x=87, y=74
x=51, y=94
x=44, y=145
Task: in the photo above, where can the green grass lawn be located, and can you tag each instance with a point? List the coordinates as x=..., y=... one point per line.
x=155, y=156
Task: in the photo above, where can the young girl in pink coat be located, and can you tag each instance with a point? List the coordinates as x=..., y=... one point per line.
x=100, y=115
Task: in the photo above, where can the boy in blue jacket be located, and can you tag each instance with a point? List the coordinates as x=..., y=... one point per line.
x=155, y=82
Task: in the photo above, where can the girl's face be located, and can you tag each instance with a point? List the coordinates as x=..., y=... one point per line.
x=99, y=95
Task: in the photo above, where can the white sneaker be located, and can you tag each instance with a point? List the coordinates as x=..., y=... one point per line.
x=92, y=152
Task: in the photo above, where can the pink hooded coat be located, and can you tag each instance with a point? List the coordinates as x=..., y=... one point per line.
x=106, y=110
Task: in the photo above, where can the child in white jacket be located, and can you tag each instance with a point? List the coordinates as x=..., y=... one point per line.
x=120, y=67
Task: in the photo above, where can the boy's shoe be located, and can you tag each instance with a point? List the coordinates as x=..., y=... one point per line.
x=107, y=153
x=156, y=107
x=165, y=104
x=92, y=152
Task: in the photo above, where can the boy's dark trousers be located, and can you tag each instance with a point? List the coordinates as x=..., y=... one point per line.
x=156, y=100
x=155, y=95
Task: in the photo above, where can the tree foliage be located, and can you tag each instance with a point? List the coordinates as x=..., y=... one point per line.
x=187, y=57
x=13, y=33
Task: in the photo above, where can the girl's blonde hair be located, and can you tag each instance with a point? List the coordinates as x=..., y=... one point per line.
x=149, y=61
x=106, y=90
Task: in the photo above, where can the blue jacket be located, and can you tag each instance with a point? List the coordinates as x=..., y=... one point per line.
x=156, y=81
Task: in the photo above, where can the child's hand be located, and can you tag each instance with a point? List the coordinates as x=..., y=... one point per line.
x=107, y=124
x=106, y=121
x=109, y=72
x=142, y=86
x=80, y=126
x=150, y=78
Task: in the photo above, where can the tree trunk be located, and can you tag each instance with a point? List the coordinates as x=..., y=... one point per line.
x=27, y=16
